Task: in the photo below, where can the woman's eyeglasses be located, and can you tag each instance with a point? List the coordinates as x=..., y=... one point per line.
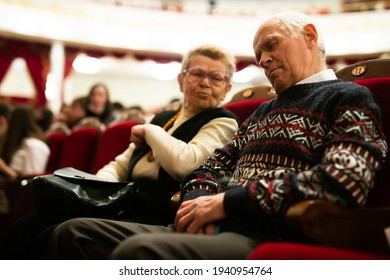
x=197, y=75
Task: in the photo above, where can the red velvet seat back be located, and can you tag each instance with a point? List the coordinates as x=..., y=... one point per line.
x=55, y=141
x=375, y=74
x=243, y=109
x=295, y=251
x=113, y=141
x=79, y=149
x=380, y=87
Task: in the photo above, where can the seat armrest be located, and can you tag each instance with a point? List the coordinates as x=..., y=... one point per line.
x=328, y=224
x=175, y=202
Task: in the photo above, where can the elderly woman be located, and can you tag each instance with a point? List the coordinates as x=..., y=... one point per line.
x=176, y=142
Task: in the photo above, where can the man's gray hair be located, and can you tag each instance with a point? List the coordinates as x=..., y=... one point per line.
x=293, y=23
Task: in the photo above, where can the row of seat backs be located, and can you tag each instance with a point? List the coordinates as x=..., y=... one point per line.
x=245, y=102
x=86, y=148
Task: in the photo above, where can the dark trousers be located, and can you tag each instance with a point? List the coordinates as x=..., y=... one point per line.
x=27, y=239
x=90, y=238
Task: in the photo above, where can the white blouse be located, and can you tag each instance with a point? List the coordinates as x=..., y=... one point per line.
x=31, y=157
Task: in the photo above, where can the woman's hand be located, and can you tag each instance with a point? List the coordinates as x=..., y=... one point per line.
x=138, y=135
x=199, y=215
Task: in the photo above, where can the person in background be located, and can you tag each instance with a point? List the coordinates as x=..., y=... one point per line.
x=134, y=113
x=99, y=105
x=321, y=138
x=174, y=104
x=5, y=114
x=25, y=150
x=74, y=116
x=44, y=117
x=161, y=152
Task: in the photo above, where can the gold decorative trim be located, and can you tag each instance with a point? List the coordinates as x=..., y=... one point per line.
x=248, y=93
x=359, y=70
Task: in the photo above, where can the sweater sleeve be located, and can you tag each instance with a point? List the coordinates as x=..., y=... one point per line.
x=214, y=174
x=179, y=158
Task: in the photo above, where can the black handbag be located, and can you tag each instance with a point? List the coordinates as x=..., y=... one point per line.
x=70, y=193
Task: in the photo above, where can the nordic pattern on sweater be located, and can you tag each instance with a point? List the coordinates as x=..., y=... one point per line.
x=315, y=141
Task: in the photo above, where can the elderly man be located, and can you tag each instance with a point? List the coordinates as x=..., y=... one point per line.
x=321, y=138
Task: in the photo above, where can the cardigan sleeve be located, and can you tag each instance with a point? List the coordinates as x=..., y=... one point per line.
x=179, y=158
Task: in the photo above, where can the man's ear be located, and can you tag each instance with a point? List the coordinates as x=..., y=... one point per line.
x=311, y=35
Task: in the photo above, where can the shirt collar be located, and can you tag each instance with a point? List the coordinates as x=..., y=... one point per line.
x=324, y=75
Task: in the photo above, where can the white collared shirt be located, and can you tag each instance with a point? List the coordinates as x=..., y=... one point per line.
x=324, y=75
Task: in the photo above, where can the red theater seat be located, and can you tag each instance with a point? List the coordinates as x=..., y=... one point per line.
x=79, y=149
x=55, y=141
x=113, y=141
x=296, y=251
x=245, y=102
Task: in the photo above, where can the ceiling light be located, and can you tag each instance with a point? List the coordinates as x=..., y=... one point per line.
x=86, y=65
x=166, y=71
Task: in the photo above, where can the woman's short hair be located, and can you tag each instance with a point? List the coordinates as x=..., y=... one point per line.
x=213, y=52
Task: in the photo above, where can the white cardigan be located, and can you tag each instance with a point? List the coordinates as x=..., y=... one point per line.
x=175, y=156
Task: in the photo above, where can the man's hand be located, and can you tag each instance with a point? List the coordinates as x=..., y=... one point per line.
x=199, y=215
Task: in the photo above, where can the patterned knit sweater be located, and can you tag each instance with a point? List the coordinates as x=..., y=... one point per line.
x=321, y=140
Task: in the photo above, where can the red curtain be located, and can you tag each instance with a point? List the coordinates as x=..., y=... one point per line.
x=6, y=58
x=36, y=56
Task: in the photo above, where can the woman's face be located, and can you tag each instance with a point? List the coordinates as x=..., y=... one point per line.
x=202, y=85
x=73, y=113
x=98, y=98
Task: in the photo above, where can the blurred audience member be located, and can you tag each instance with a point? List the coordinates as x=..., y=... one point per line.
x=135, y=113
x=25, y=150
x=174, y=104
x=99, y=105
x=117, y=106
x=74, y=116
x=45, y=117
x=5, y=114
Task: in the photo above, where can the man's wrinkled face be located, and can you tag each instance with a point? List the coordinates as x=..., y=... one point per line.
x=283, y=56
